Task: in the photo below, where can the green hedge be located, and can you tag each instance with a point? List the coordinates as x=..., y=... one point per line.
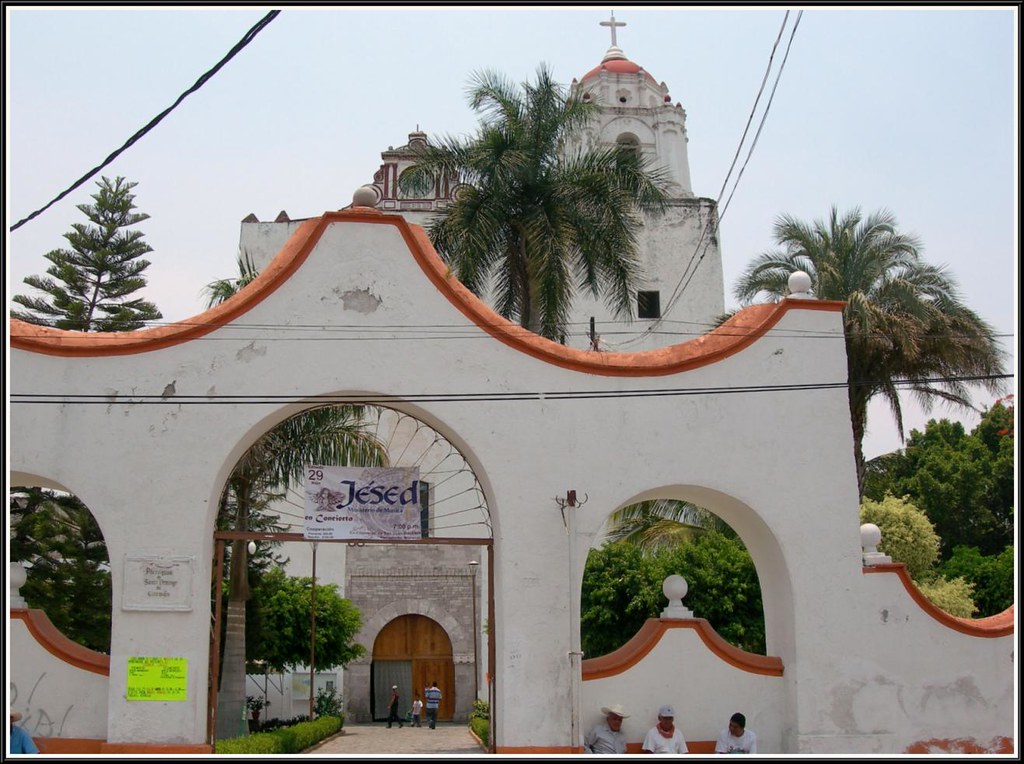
x=294, y=739
x=480, y=721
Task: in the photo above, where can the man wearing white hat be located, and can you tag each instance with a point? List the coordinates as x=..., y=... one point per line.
x=665, y=737
x=21, y=741
x=393, y=708
x=607, y=736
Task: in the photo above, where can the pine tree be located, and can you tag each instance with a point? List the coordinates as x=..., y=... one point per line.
x=90, y=283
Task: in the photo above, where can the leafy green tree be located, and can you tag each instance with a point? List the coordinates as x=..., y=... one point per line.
x=61, y=546
x=529, y=222
x=90, y=285
x=904, y=322
x=907, y=534
x=965, y=484
x=723, y=587
x=991, y=575
x=284, y=604
x=622, y=589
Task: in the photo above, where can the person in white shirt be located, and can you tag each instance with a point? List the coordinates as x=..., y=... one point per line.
x=737, y=738
x=607, y=736
x=664, y=737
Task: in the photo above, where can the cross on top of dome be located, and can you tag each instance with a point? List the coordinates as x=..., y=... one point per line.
x=613, y=23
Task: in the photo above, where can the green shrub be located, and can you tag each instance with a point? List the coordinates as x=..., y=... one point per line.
x=480, y=720
x=293, y=739
x=954, y=596
x=328, y=704
x=907, y=534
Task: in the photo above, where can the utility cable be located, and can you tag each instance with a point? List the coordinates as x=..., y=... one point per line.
x=764, y=116
x=390, y=399
x=153, y=123
x=689, y=272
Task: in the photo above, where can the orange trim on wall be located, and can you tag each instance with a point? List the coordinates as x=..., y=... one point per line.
x=78, y=745
x=692, y=746
x=150, y=749
x=739, y=332
x=68, y=744
x=999, y=625
x=54, y=641
x=631, y=653
x=962, y=745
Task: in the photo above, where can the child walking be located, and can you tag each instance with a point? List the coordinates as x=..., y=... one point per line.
x=417, y=706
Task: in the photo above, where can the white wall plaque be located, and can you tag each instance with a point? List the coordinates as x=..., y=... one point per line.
x=157, y=583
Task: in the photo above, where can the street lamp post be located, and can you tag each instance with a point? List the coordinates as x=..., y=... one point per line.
x=473, y=565
x=312, y=633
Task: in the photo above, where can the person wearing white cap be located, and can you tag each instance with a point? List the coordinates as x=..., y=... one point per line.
x=21, y=741
x=393, y=708
x=665, y=737
x=607, y=736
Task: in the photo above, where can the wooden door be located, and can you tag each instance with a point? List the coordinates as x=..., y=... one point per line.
x=423, y=641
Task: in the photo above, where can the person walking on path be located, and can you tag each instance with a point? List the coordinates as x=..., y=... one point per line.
x=417, y=708
x=433, y=696
x=393, y=708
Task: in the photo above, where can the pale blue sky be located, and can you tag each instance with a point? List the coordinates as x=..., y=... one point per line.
x=911, y=110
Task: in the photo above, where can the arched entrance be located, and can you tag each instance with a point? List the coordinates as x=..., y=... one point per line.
x=412, y=651
x=436, y=588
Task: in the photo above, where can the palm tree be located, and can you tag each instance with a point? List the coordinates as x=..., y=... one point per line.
x=662, y=524
x=904, y=323
x=529, y=222
x=327, y=435
x=220, y=290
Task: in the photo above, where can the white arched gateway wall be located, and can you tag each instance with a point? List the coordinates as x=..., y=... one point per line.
x=145, y=427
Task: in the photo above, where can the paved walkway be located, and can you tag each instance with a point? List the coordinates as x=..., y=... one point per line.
x=358, y=740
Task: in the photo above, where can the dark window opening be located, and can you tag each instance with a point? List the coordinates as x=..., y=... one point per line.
x=648, y=304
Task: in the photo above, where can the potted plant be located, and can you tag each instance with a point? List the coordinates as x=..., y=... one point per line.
x=255, y=704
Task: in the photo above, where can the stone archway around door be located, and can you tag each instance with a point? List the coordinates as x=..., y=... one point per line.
x=412, y=651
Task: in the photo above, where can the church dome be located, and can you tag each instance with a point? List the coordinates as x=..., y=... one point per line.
x=615, y=62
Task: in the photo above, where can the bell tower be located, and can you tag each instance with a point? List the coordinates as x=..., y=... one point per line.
x=683, y=292
x=636, y=110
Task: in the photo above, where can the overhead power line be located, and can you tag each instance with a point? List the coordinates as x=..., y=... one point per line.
x=156, y=120
x=385, y=400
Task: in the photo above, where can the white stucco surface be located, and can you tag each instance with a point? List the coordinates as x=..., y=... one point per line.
x=775, y=463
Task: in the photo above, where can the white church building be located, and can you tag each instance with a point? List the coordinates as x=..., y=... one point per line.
x=528, y=446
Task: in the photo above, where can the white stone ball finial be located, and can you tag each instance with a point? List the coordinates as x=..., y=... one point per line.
x=870, y=538
x=800, y=286
x=675, y=588
x=365, y=196
x=15, y=580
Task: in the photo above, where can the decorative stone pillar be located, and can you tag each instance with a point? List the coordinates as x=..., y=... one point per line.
x=16, y=578
x=800, y=286
x=675, y=588
x=870, y=538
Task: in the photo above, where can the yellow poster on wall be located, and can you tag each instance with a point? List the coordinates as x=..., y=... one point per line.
x=157, y=678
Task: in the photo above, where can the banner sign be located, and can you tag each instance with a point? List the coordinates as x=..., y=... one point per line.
x=362, y=502
x=157, y=678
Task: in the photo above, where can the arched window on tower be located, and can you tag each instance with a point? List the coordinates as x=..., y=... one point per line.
x=629, y=144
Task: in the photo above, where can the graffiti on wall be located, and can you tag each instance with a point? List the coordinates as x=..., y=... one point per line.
x=35, y=719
